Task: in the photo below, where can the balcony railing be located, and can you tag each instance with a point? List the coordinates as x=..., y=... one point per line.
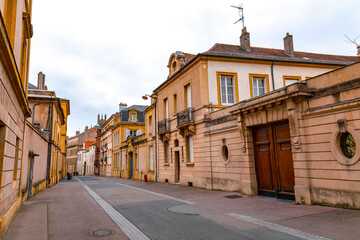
x=139, y=138
x=185, y=116
x=164, y=125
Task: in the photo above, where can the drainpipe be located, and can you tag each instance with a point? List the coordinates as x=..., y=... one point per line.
x=49, y=144
x=33, y=113
x=272, y=75
x=156, y=158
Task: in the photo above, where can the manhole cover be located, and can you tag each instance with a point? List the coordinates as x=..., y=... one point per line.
x=233, y=196
x=101, y=233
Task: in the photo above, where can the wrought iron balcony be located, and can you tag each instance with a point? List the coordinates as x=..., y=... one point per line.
x=164, y=125
x=186, y=116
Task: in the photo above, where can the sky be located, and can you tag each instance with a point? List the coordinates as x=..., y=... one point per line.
x=100, y=53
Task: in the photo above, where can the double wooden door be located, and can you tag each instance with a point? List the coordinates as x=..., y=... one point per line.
x=273, y=160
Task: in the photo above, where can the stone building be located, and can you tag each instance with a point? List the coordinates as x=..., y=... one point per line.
x=106, y=146
x=129, y=123
x=72, y=147
x=15, y=34
x=49, y=117
x=206, y=141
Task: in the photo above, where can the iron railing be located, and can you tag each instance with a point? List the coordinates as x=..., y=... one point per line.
x=164, y=125
x=185, y=116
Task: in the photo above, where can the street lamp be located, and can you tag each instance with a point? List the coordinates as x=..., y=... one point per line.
x=153, y=96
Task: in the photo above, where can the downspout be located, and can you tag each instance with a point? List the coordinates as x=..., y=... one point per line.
x=272, y=75
x=156, y=158
x=49, y=145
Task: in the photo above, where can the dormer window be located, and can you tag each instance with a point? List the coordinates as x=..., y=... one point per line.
x=132, y=117
x=174, y=66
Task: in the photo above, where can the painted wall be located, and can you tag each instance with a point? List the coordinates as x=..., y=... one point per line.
x=244, y=69
x=38, y=145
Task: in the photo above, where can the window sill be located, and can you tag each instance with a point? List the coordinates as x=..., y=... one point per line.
x=166, y=164
x=189, y=164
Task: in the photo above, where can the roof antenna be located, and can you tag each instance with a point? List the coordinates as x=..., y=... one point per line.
x=241, y=14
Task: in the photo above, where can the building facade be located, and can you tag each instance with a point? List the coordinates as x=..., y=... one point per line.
x=49, y=117
x=129, y=123
x=15, y=35
x=72, y=147
x=203, y=143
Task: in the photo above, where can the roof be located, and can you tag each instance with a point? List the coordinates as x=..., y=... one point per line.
x=87, y=144
x=234, y=50
x=188, y=57
x=31, y=86
x=124, y=114
x=270, y=54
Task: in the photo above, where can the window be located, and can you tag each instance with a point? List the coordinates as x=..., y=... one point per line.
x=130, y=133
x=259, y=85
x=10, y=8
x=187, y=93
x=227, y=88
x=16, y=159
x=166, y=152
x=132, y=117
x=290, y=80
x=190, y=149
x=150, y=125
x=151, y=159
x=175, y=103
x=166, y=108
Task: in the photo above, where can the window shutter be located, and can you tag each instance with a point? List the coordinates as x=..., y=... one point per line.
x=138, y=132
x=127, y=133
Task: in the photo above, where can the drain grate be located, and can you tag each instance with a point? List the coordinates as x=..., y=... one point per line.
x=101, y=233
x=233, y=196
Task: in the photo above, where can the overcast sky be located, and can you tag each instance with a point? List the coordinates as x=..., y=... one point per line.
x=100, y=53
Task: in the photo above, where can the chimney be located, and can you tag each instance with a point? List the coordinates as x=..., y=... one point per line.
x=358, y=48
x=41, y=81
x=289, y=45
x=245, y=40
x=77, y=132
x=86, y=128
x=122, y=106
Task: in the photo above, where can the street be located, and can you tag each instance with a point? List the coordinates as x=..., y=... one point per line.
x=115, y=208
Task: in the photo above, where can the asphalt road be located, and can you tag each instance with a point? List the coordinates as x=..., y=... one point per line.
x=161, y=218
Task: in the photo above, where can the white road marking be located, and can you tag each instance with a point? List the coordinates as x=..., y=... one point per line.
x=125, y=225
x=157, y=194
x=278, y=227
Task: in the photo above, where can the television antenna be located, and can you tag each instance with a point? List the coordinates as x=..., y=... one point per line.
x=241, y=14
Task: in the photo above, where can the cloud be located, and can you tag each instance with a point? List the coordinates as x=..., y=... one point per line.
x=100, y=53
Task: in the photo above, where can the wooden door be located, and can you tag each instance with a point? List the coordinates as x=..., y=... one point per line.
x=273, y=159
x=284, y=161
x=177, y=167
x=263, y=158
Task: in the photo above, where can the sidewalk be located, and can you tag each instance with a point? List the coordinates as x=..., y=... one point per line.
x=65, y=211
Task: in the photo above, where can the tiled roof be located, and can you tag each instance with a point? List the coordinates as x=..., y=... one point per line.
x=87, y=144
x=189, y=56
x=270, y=52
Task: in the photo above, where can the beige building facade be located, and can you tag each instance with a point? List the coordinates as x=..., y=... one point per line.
x=206, y=141
x=15, y=36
